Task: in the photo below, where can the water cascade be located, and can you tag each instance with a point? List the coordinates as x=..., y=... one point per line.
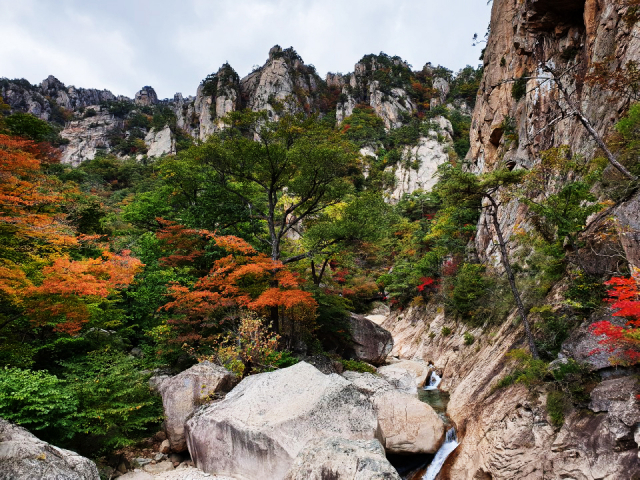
x=434, y=381
x=447, y=447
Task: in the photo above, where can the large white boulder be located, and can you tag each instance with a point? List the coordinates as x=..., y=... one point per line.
x=401, y=371
x=341, y=459
x=23, y=456
x=182, y=394
x=406, y=425
x=262, y=425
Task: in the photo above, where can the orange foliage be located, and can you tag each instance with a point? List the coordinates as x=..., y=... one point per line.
x=243, y=279
x=29, y=199
x=69, y=284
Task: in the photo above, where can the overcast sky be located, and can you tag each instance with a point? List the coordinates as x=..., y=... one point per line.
x=172, y=45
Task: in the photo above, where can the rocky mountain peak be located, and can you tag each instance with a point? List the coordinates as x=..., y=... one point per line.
x=146, y=96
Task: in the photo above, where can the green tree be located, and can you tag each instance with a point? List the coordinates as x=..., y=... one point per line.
x=465, y=189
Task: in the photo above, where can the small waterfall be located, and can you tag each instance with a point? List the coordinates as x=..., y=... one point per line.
x=447, y=447
x=434, y=381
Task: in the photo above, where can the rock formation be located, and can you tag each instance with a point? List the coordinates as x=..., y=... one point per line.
x=182, y=394
x=25, y=457
x=263, y=424
x=341, y=459
x=370, y=342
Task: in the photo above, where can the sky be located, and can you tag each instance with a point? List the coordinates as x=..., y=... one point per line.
x=123, y=45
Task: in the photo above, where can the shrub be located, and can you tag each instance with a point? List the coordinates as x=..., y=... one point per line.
x=445, y=331
x=469, y=339
x=519, y=87
x=357, y=366
x=556, y=404
x=39, y=402
x=529, y=371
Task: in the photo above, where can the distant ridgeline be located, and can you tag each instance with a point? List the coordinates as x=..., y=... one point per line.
x=384, y=106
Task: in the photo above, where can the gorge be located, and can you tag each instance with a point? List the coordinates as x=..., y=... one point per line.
x=340, y=305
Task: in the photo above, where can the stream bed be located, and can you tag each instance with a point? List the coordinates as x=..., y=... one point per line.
x=427, y=467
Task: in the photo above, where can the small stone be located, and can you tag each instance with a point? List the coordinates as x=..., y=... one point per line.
x=165, y=447
x=160, y=436
x=159, y=467
x=142, y=461
x=159, y=457
x=122, y=468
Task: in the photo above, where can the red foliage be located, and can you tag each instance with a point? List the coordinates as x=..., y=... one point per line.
x=624, y=340
x=427, y=282
x=244, y=278
x=68, y=285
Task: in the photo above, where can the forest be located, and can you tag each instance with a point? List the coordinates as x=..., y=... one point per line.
x=251, y=248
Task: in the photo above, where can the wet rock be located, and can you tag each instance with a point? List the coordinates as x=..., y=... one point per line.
x=371, y=343
x=165, y=446
x=339, y=458
x=406, y=425
x=264, y=422
x=25, y=457
x=182, y=394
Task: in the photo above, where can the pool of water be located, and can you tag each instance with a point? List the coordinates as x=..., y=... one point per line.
x=438, y=401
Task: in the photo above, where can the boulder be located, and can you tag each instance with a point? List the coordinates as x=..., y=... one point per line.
x=262, y=424
x=23, y=456
x=182, y=394
x=371, y=342
x=406, y=425
x=338, y=459
x=400, y=378
x=418, y=370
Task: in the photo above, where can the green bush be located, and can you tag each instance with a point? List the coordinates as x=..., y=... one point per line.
x=469, y=286
x=556, y=405
x=38, y=401
x=469, y=339
x=529, y=371
x=357, y=366
x=445, y=331
x=519, y=87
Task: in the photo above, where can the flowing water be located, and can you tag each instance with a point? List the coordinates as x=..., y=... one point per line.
x=432, y=465
x=447, y=447
x=434, y=381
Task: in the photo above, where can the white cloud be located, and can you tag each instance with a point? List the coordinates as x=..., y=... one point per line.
x=172, y=45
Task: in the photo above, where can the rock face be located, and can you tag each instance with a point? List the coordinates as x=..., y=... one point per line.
x=88, y=136
x=160, y=143
x=284, y=79
x=507, y=433
x=371, y=343
x=182, y=394
x=341, y=459
x=25, y=457
x=417, y=170
x=146, y=97
x=262, y=425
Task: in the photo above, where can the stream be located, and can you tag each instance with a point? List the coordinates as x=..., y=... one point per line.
x=427, y=467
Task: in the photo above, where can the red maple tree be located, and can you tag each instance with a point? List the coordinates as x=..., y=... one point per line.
x=624, y=340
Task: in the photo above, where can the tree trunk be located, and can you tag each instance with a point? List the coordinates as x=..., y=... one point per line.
x=577, y=111
x=511, y=277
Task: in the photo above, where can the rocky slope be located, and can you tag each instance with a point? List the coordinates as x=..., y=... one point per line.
x=93, y=122
x=507, y=433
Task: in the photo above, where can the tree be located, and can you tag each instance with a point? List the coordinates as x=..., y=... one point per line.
x=242, y=278
x=465, y=189
x=624, y=297
x=281, y=172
